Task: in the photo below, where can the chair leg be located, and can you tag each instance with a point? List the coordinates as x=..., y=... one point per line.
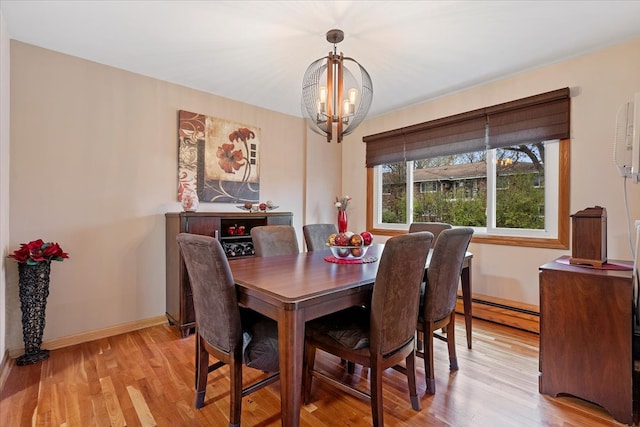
x=197, y=340
x=202, y=371
x=411, y=380
x=428, y=358
x=351, y=367
x=307, y=368
x=451, y=342
x=235, y=404
x=376, y=394
x=419, y=341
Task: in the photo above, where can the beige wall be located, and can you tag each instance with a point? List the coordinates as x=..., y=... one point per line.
x=94, y=167
x=600, y=82
x=4, y=177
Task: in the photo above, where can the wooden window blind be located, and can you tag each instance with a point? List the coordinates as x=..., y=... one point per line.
x=536, y=118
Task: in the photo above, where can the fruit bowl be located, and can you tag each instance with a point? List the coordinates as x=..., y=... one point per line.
x=349, y=252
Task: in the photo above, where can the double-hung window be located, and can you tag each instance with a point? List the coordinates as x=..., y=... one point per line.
x=503, y=170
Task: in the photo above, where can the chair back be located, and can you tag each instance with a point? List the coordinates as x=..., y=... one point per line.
x=433, y=227
x=271, y=240
x=444, y=271
x=316, y=235
x=214, y=292
x=396, y=291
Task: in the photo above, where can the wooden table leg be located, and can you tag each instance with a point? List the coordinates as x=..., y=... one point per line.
x=291, y=347
x=466, y=300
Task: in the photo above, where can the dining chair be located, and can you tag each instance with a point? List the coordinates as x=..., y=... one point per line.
x=223, y=329
x=271, y=240
x=381, y=334
x=433, y=227
x=438, y=298
x=316, y=235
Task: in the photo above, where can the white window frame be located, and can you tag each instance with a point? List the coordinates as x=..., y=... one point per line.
x=551, y=191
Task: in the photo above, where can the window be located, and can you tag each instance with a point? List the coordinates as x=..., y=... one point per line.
x=509, y=185
x=427, y=186
x=502, y=190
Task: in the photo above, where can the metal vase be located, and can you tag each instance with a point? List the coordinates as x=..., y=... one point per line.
x=34, y=290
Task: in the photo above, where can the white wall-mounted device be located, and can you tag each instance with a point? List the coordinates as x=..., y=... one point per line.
x=626, y=152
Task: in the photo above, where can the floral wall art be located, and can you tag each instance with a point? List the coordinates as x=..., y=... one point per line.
x=218, y=159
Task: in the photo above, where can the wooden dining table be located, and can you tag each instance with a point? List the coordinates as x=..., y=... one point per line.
x=293, y=289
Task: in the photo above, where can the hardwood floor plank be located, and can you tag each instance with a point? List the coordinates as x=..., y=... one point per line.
x=146, y=378
x=116, y=417
x=144, y=414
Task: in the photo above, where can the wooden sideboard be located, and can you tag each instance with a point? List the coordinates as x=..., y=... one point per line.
x=586, y=335
x=234, y=232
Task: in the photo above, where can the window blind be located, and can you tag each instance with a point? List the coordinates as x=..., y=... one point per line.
x=536, y=118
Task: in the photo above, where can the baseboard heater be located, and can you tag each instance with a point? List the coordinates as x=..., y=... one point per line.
x=505, y=312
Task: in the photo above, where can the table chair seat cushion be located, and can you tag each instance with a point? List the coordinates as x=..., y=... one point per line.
x=349, y=328
x=260, y=343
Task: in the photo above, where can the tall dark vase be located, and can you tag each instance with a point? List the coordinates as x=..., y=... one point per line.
x=34, y=290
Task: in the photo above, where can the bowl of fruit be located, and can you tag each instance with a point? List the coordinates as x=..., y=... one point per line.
x=349, y=245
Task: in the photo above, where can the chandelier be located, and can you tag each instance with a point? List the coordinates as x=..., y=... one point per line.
x=335, y=99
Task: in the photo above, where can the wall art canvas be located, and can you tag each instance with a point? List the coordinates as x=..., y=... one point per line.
x=218, y=159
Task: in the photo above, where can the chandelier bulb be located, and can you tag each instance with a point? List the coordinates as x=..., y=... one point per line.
x=353, y=92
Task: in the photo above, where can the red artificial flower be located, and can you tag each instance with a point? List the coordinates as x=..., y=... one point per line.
x=54, y=250
x=22, y=254
x=38, y=251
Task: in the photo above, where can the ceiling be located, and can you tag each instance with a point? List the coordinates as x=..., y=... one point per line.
x=257, y=51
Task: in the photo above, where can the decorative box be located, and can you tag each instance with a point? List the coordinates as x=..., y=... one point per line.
x=589, y=237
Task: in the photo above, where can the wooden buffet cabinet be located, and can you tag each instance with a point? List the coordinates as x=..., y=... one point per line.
x=234, y=232
x=586, y=335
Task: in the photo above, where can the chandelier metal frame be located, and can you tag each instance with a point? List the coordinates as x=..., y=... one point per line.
x=325, y=108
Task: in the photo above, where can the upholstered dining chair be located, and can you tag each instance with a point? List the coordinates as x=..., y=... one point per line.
x=433, y=227
x=271, y=240
x=316, y=235
x=380, y=335
x=223, y=329
x=438, y=298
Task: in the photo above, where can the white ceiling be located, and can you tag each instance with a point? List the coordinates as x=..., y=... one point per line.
x=257, y=51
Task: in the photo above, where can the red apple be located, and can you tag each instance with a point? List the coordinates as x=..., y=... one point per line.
x=367, y=238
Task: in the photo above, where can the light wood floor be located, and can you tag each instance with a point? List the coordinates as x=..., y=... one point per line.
x=146, y=378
